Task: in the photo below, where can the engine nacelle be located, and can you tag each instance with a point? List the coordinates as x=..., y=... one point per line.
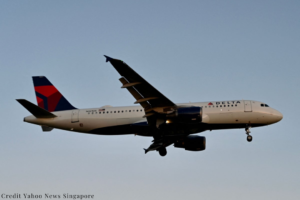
x=187, y=114
x=192, y=143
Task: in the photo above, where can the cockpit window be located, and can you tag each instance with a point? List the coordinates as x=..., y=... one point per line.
x=266, y=105
x=262, y=105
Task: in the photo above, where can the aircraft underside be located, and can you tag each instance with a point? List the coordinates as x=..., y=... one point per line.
x=157, y=116
x=177, y=130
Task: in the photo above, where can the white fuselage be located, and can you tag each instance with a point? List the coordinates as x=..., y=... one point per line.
x=215, y=115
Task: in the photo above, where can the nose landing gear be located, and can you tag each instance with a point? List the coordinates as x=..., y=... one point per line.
x=249, y=137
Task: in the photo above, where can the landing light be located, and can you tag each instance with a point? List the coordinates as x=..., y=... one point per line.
x=168, y=121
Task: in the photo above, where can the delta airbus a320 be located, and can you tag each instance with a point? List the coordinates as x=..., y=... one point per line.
x=156, y=116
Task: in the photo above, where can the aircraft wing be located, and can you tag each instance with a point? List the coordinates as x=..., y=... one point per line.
x=145, y=94
x=159, y=143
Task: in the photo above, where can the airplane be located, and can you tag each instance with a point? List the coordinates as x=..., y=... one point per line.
x=156, y=116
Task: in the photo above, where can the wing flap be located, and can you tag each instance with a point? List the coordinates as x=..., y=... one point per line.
x=135, y=94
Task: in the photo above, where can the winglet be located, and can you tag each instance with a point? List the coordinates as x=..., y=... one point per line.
x=146, y=150
x=108, y=58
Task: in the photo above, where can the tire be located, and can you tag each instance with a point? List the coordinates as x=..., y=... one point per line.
x=162, y=151
x=249, y=138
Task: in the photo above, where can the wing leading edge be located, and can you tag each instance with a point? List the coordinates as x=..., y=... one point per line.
x=145, y=94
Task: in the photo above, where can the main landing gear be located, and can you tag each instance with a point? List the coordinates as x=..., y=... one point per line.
x=249, y=137
x=162, y=151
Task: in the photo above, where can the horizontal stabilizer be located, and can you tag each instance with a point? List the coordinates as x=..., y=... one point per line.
x=38, y=112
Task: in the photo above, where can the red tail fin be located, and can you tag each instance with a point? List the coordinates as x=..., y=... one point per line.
x=48, y=97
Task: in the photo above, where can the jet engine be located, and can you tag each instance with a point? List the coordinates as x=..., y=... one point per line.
x=187, y=114
x=192, y=143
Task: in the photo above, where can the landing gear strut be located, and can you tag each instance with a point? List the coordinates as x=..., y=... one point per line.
x=162, y=151
x=249, y=137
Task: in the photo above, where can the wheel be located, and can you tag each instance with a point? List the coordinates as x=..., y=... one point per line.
x=249, y=138
x=162, y=151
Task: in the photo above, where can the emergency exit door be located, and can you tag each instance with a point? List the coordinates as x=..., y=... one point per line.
x=248, y=106
x=75, y=116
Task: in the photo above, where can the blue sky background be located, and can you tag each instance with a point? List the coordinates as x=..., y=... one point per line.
x=190, y=51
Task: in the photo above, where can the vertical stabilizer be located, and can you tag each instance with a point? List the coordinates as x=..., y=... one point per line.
x=48, y=97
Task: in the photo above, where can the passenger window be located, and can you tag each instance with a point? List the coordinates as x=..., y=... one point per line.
x=137, y=110
x=118, y=111
x=129, y=110
x=115, y=111
x=262, y=105
x=110, y=111
x=221, y=106
x=141, y=110
x=231, y=105
x=122, y=111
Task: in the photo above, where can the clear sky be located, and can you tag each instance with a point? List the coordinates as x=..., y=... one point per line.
x=190, y=51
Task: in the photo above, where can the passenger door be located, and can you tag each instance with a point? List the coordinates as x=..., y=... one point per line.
x=247, y=106
x=75, y=116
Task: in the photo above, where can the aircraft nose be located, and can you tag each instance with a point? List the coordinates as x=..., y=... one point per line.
x=278, y=116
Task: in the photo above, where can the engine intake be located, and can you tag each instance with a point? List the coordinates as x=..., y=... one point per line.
x=192, y=143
